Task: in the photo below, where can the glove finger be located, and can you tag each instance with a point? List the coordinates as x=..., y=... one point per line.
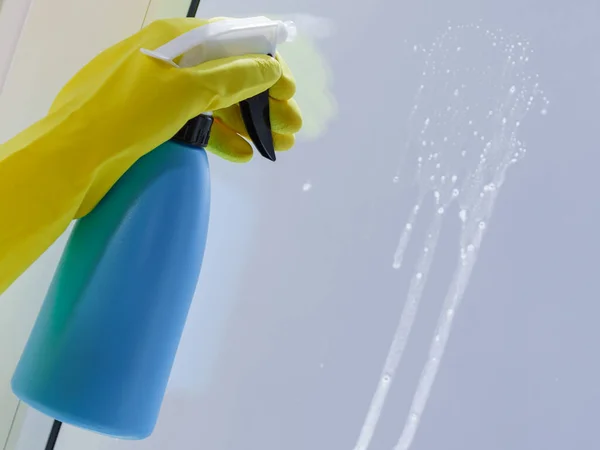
x=232, y=120
x=283, y=142
x=285, y=88
x=227, y=144
x=227, y=81
x=285, y=117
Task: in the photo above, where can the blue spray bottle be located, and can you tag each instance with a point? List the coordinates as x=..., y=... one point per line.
x=101, y=351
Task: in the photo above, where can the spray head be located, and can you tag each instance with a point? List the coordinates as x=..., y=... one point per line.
x=234, y=37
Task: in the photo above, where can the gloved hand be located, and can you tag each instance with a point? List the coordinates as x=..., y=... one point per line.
x=117, y=108
x=127, y=103
x=286, y=121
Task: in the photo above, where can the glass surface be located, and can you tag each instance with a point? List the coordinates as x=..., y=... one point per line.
x=306, y=277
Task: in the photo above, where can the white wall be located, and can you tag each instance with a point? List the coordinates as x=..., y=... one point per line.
x=294, y=316
x=12, y=18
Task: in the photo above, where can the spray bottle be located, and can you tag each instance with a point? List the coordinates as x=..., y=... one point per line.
x=101, y=351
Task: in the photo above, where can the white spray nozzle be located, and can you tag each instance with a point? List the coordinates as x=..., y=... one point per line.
x=225, y=38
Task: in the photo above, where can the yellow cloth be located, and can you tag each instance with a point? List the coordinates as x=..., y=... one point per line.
x=117, y=108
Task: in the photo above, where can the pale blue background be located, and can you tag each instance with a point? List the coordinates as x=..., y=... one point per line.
x=301, y=307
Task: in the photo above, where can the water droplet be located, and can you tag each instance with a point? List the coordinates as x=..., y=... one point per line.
x=504, y=120
x=425, y=249
x=424, y=143
x=463, y=215
x=455, y=192
x=396, y=179
x=418, y=275
x=440, y=210
x=450, y=312
x=396, y=265
x=513, y=89
x=438, y=338
x=456, y=92
x=445, y=138
x=544, y=112
x=307, y=186
x=454, y=178
x=482, y=225
x=386, y=378
x=409, y=226
x=427, y=121
x=470, y=247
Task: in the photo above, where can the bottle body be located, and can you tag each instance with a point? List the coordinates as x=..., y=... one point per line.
x=101, y=351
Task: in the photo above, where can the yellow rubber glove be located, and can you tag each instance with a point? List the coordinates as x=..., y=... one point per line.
x=286, y=121
x=117, y=108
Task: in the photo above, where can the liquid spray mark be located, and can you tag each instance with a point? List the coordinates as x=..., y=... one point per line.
x=476, y=89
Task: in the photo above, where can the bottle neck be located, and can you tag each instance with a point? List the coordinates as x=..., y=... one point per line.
x=196, y=132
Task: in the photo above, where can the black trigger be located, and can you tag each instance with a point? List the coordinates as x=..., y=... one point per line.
x=256, y=114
